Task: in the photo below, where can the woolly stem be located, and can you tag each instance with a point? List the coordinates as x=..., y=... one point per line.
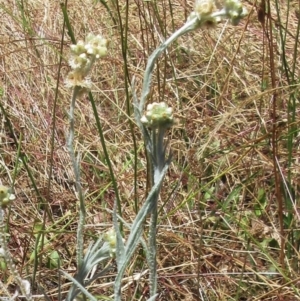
x=76, y=169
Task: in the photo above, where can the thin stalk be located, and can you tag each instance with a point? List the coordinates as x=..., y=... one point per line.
x=102, y=139
x=136, y=233
x=76, y=170
x=160, y=151
x=54, y=112
x=158, y=166
x=124, y=38
x=190, y=25
x=23, y=158
x=153, y=248
x=9, y=260
x=70, y=32
x=274, y=138
x=153, y=155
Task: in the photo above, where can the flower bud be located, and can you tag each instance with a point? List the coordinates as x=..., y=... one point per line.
x=2, y=252
x=96, y=45
x=83, y=56
x=235, y=11
x=158, y=115
x=205, y=7
x=5, y=197
x=79, y=48
x=76, y=78
x=111, y=238
x=79, y=61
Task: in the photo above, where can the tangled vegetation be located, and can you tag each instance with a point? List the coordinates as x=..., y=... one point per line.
x=185, y=189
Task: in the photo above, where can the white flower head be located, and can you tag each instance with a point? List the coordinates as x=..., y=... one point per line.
x=78, y=48
x=205, y=7
x=6, y=197
x=26, y=286
x=83, y=56
x=235, y=11
x=79, y=61
x=204, y=11
x=2, y=252
x=158, y=115
x=96, y=45
x=77, y=78
x=111, y=238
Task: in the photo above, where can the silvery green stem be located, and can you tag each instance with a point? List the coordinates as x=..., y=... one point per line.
x=152, y=248
x=156, y=150
x=153, y=156
x=188, y=26
x=79, y=286
x=160, y=150
x=159, y=164
x=95, y=253
x=9, y=261
x=152, y=298
x=76, y=170
x=192, y=24
x=136, y=233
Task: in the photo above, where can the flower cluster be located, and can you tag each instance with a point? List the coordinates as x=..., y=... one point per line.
x=203, y=11
x=205, y=7
x=83, y=56
x=5, y=197
x=158, y=115
x=111, y=238
x=207, y=13
x=235, y=11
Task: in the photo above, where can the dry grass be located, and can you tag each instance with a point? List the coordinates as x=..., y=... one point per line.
x=211, y=244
